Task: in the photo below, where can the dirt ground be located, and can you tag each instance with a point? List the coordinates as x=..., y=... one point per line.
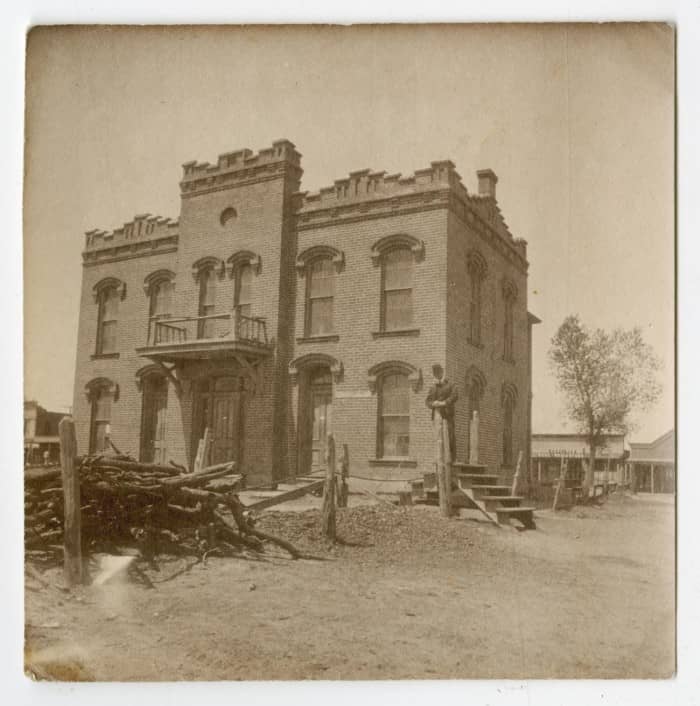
x=590, y=593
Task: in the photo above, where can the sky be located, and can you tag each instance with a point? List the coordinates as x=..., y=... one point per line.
x=577, y=121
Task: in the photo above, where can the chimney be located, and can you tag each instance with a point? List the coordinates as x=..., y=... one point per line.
x=487, y=182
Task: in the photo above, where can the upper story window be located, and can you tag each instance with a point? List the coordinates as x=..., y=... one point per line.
x=108, y=294
x=159, y=288
x=397, y=290
x=509, y=297
x=397, y=254
x=476, y=271
x=319, y=264
x=208, y=279
x=320, y=290
x=243, y=290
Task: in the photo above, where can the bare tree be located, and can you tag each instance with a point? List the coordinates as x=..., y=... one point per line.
x=605, y=377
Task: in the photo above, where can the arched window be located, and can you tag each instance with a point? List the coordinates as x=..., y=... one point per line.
x=320, y=289
x=161, y=299
x=476, y=270
x=101, y=393
x=508, y=400
x=243, y=290
x=397, y=289
x=208, y=278
x=393, y=422
x=475, y=384
x=509, y=296
x=108, y=298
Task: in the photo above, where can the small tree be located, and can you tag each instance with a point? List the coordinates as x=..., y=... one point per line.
x=604, y=378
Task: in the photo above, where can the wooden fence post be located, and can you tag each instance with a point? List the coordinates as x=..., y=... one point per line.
x=516, y=475
x=344, y=473
x=562, y=479
x=444, y=471
x=72, y=551
x=328, y=511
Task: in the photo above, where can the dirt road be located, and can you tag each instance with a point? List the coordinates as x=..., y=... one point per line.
x=589, y=594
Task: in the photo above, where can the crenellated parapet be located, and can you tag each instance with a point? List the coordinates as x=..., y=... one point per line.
x=144, y=235
x=366, y=194
x=240, y=166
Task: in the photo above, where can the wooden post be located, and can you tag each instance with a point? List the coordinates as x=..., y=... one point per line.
x=539, y=471
x=72, y=551
x=474, y=439
x=562, y=479
x=328, y=511
x=516, y=475
x=344, y=473
x=651, y=473
x=444, y=470
x=200, y=460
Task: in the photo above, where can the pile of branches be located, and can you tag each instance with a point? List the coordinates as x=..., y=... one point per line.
x=159, y=509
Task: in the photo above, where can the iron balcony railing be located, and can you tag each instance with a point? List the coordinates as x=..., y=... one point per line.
x=216, y=327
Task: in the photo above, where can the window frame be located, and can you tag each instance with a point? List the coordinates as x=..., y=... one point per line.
x=508, y=403
x=383, y=325
x=105, y=292
x=381, y=415
x=309, y=299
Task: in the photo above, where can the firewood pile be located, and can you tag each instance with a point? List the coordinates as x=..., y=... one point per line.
x=159, y=509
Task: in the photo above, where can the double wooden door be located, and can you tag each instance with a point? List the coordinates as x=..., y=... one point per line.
x=155, y=408
x=220, y=406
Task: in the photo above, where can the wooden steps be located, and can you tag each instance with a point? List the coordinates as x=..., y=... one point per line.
x=475, y=489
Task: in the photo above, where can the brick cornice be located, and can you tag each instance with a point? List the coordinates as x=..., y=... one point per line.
x=129, y=251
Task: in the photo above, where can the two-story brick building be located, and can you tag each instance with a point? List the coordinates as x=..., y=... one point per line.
x=273, y=316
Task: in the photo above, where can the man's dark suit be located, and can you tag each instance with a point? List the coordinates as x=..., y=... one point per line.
x=444, y=391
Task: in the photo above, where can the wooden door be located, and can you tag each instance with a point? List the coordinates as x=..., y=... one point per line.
x=320, y=417
x=155, y=406
x=220, y=407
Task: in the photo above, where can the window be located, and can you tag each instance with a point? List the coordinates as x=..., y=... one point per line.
x=320, y=286
x=108, y=303
x=475, y=391
x=161, y=299
x=476, y=270
x=508, y=408
x=207, y=302
x=243, y=287
x=508, y=310
x=397, y=290
x=101, y=414
x=393, y=422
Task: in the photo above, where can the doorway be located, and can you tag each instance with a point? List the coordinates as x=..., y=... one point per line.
x=154, y=410
x=219, y=405
x=316, y=418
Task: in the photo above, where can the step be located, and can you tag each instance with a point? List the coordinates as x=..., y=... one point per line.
x=481, y=490
x=496, y=502
x=464, y=467
x=522, y=514
x=466, y=480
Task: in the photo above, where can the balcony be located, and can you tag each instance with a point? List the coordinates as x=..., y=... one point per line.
x=205, y=337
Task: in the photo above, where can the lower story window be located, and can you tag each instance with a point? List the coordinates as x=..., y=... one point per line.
x=394, y=414
x=101, y=414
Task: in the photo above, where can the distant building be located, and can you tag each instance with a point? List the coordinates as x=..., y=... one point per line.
x=40, y=434
x=651, y=467
x=273, y=316
x=548, y=450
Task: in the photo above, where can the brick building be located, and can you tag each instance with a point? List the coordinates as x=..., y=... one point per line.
x=274, y=316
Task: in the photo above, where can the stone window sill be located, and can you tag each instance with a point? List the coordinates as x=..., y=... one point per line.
x=393, y=462
x=331, y=338
x=104, y=356
x=396, y=333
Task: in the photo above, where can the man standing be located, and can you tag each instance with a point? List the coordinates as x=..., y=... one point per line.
x=441, y=399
